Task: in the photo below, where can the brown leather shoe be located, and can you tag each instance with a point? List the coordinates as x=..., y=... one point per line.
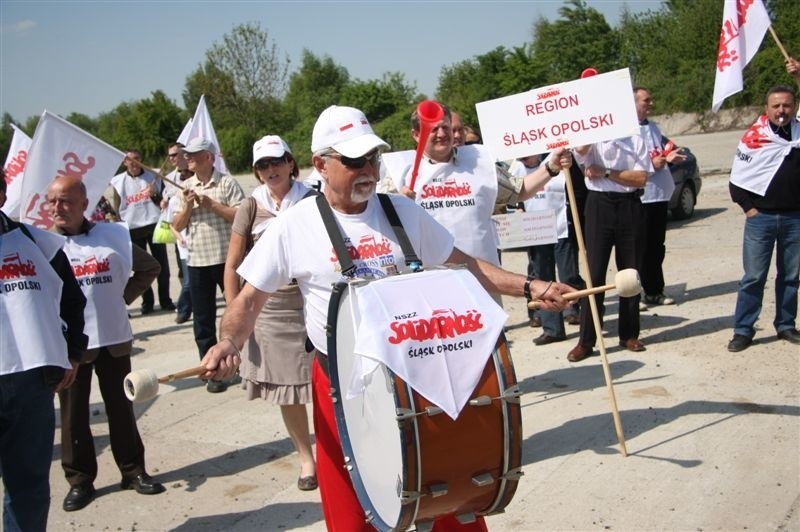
x=632, y=344
x=579, y=352
x=535, y=321
x=573, y=319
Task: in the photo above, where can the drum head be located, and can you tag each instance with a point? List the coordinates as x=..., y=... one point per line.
x=367, y=423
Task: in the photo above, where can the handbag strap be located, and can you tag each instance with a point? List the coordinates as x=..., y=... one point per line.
x=251, y=204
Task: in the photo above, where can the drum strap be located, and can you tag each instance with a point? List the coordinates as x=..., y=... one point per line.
x=348, y=268
x=412, y=261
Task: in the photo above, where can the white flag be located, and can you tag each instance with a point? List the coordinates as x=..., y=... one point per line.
x=183, y=138
x=744, y=23
x=62, y=149
x=14, y=167
x=202, y=127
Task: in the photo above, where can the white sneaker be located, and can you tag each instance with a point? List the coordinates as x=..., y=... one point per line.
x=642, y=305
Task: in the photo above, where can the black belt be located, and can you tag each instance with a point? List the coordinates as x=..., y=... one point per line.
x=620, y=195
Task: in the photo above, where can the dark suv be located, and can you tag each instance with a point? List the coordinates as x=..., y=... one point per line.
x=687, y=186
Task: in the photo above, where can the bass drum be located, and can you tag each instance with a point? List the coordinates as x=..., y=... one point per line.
x=409, y=462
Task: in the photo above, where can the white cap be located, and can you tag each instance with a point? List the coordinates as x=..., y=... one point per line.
x=345, y=130
x=269, y=146
x=199, y=144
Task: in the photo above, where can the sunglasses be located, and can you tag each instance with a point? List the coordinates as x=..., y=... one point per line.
x=373, y=158
x=265, y=163
x=173, y=155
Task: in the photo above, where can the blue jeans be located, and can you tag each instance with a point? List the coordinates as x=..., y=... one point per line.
x=763, y=233
x=27, y=428
x=185, y=297
x=203, y=282
x=543, y=261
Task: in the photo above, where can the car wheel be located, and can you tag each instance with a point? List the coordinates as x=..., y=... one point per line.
x=686, y=201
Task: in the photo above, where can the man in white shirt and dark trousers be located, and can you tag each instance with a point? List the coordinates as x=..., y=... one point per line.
x=137, y=199
x=41, y=341
x=102, y=259
x=655, y=200
x=616, y=172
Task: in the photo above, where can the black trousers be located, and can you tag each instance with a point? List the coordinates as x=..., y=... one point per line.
x=651, y=271
x=78, y=457
x=143, y=237
x=203, y=283
x=613, y=221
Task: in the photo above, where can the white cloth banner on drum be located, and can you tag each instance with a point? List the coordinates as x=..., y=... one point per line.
x=435, y=329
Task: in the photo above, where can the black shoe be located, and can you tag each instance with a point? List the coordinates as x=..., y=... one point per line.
x=144, y=484
x=545, y=339
x=78, y=497
x=216, y=386
x=790, y=335
x=182, y=318
x=169, y=306
x=147, y=309
x=739, y=342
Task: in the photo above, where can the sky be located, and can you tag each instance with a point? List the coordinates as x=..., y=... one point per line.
x=89, y=56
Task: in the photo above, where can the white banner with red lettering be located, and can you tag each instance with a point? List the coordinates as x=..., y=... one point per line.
x=569, y=114
x=435, y=329
x=61, y=149
x=14, y=168
x=744, y=23
x=759, y=155
x=201, y=126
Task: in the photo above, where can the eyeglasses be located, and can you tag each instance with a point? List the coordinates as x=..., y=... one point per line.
x=266, y=162
x=373, y=158
x=170, y=155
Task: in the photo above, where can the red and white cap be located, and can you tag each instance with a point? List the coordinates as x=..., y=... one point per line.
x=269, y=146
x=346, y=130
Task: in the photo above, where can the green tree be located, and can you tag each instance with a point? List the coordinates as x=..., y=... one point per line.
x=6, y=134
x=83, y=121
x=315, y=86
x=147, y=125
x=239, y=76
x=388, y=104
x=464, y=84
x=580, y=38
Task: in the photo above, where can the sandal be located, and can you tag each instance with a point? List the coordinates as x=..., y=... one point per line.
x=307, y=483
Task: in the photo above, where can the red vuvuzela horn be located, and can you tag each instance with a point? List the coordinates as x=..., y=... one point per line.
x=429, y=113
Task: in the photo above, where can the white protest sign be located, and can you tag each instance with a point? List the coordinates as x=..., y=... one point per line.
x=525, y=229
x=574, y=113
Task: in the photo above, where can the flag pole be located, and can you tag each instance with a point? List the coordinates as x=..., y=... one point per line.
x=778, y=42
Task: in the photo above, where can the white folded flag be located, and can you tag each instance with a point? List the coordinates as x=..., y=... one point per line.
x=435, y=329
x=744, y=23
x=14, y=168
x=759, y=155
x=201, y=126
x=61, y=149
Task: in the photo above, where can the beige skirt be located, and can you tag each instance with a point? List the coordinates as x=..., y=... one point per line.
x=275, y=365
